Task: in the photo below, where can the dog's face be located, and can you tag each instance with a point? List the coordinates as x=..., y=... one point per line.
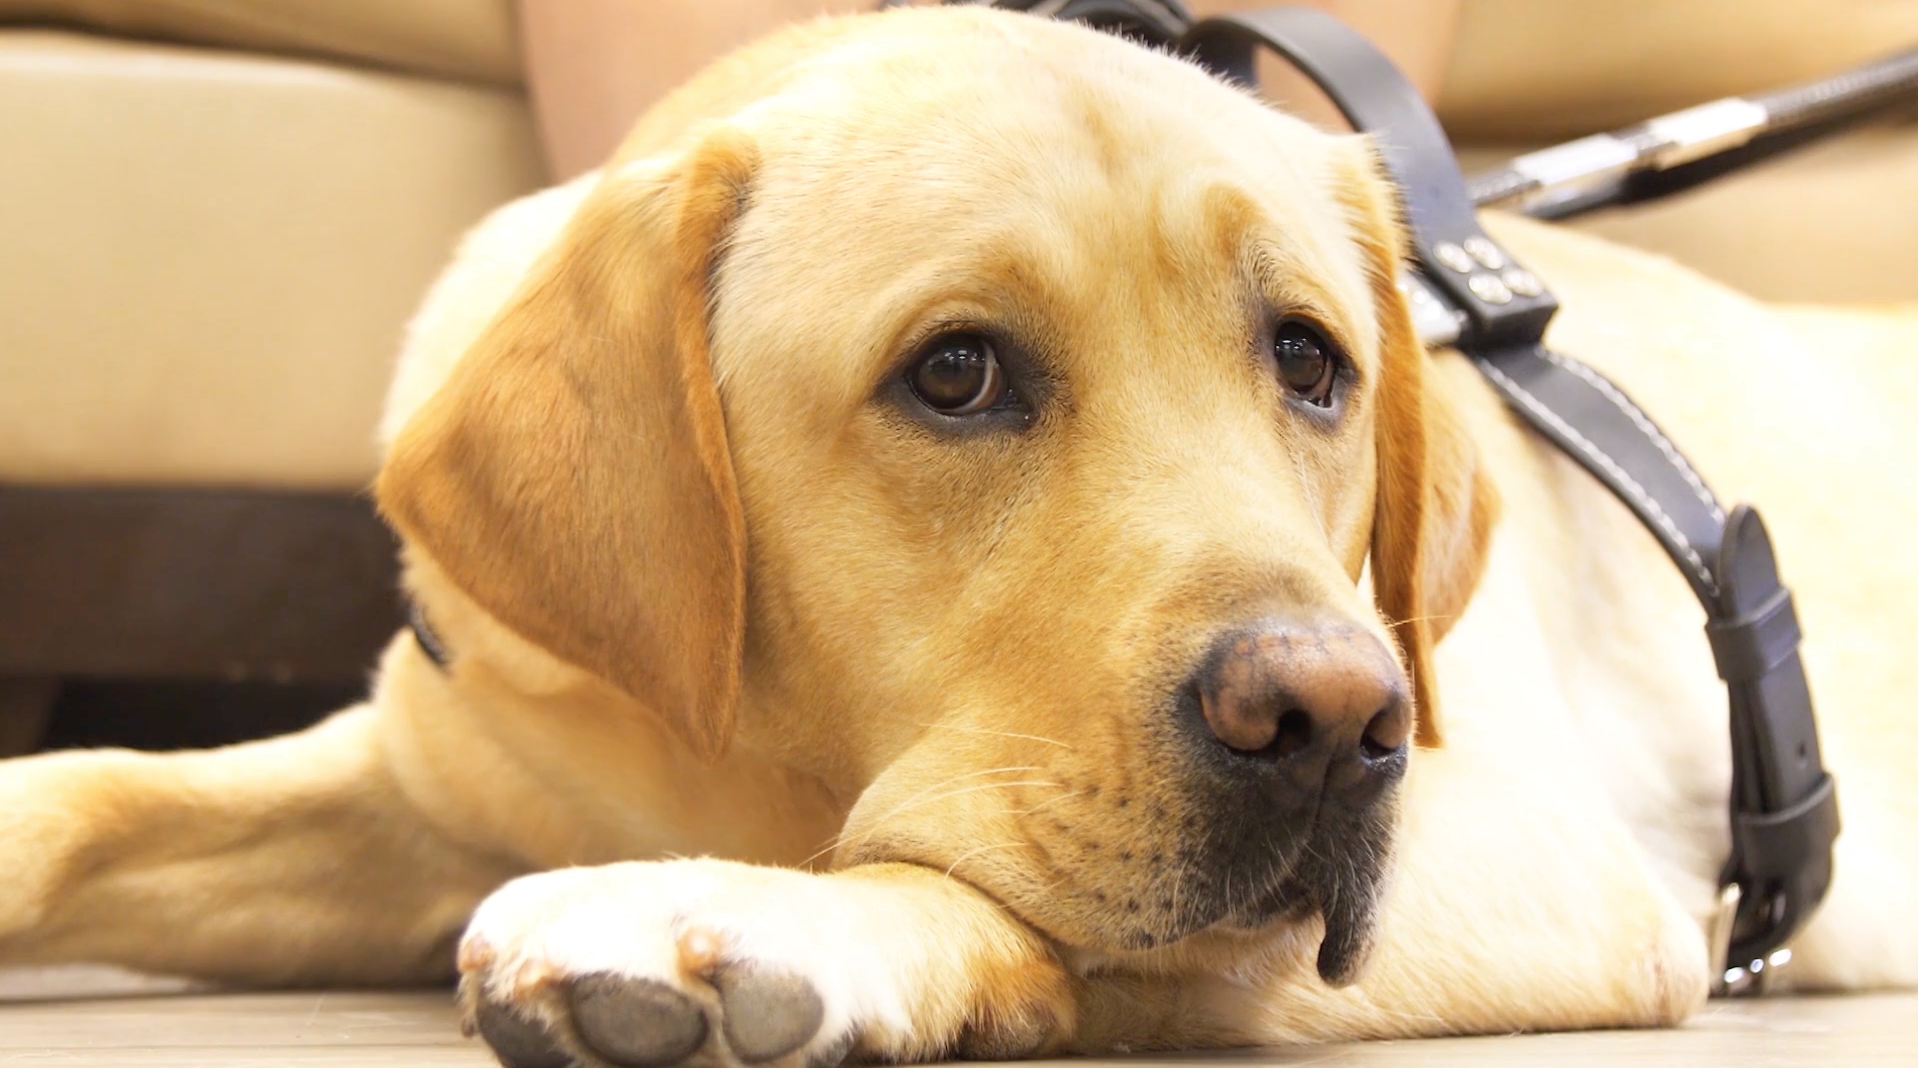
x=993, y=421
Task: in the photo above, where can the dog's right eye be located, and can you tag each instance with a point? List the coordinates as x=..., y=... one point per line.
x=958, y=374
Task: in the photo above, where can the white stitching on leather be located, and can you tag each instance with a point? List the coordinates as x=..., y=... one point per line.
x=1631, y=487
x=1645, y=426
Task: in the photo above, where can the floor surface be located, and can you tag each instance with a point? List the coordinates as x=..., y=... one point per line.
x=145, y=1024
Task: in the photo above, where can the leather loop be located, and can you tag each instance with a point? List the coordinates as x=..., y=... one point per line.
x=1752, y=645
x=1783, y=867
x=1774, y=845
x=1771, y=711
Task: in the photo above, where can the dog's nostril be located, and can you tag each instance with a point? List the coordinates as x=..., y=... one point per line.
x=1295, y=733
x=1384, y=735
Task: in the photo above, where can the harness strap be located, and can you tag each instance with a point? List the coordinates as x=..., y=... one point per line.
x=1784, y=813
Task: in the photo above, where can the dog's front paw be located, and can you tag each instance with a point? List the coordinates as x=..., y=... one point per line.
x=651, y=965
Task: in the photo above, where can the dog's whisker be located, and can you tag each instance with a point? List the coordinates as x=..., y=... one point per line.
x=976, y=850
x=941, y=785
x=1390, y=622
x=997, y=733
x=1053, y=801
x=977, y=788
x=928, y=796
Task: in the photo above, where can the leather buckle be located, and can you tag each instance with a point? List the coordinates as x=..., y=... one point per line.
x=1752, y=978
x=1784, y=818
x=1783, y=863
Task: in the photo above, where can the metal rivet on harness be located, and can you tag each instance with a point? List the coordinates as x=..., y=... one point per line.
x=1487, y=254
x=1489, y=289
x=1453, y=256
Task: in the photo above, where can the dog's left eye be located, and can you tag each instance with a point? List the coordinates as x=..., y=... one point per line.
x=1307, y=362
x=958, y=374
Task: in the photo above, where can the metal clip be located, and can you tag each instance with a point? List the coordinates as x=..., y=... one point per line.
x=1730, y=980
x=1748, y=979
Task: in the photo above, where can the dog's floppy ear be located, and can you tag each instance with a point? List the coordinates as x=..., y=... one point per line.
x=1435, y=505
x=572, y=475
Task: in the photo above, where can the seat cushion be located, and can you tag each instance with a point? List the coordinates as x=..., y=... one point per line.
x=470, y=39
x=1549, y=70
x=211, y=257
x=1828, y=224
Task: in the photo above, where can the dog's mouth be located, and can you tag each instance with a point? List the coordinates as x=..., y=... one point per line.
x=1227, y=887
x=1344, y=892
x=1247, y=876
x=1145, y=875
x=1216, y=889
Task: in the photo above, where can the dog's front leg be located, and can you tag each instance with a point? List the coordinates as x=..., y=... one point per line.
x=709, y=961
x=297, y=860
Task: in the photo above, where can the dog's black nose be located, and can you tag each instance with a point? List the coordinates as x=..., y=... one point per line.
x=1322, y=703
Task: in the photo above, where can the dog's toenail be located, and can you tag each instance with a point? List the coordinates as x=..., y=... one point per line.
x=517, y=1041
x=768, y=1014
x=700, y=952
x=474, y=956
x=640, y=1023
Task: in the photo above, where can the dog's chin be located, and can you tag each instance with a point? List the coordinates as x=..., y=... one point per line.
x=1236, y=892
x=1348, y=916
x=1327, y=901
x=1336, y=878
x=1337, y=939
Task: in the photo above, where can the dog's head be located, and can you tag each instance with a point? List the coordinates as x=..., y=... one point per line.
x=995, y=420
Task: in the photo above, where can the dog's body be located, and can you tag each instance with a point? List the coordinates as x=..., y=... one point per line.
x=945, y=657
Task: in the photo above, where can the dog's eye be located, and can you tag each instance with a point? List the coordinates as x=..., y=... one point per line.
x=958, y=374
x=1308, y=365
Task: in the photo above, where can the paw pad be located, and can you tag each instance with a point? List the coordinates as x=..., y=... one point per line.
x=639, y=1023
x=517, y=1041
x=768, y=1014
x=645, y=1023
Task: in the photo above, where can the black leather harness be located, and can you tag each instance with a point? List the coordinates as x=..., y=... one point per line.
x=1472, y=294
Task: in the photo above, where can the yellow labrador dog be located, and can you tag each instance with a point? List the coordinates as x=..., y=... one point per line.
x=942, y=548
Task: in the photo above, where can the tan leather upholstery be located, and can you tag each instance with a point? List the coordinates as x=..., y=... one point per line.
x=1830, y=224
x=470, y=39
x=210, y=256
x=1543, y=70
